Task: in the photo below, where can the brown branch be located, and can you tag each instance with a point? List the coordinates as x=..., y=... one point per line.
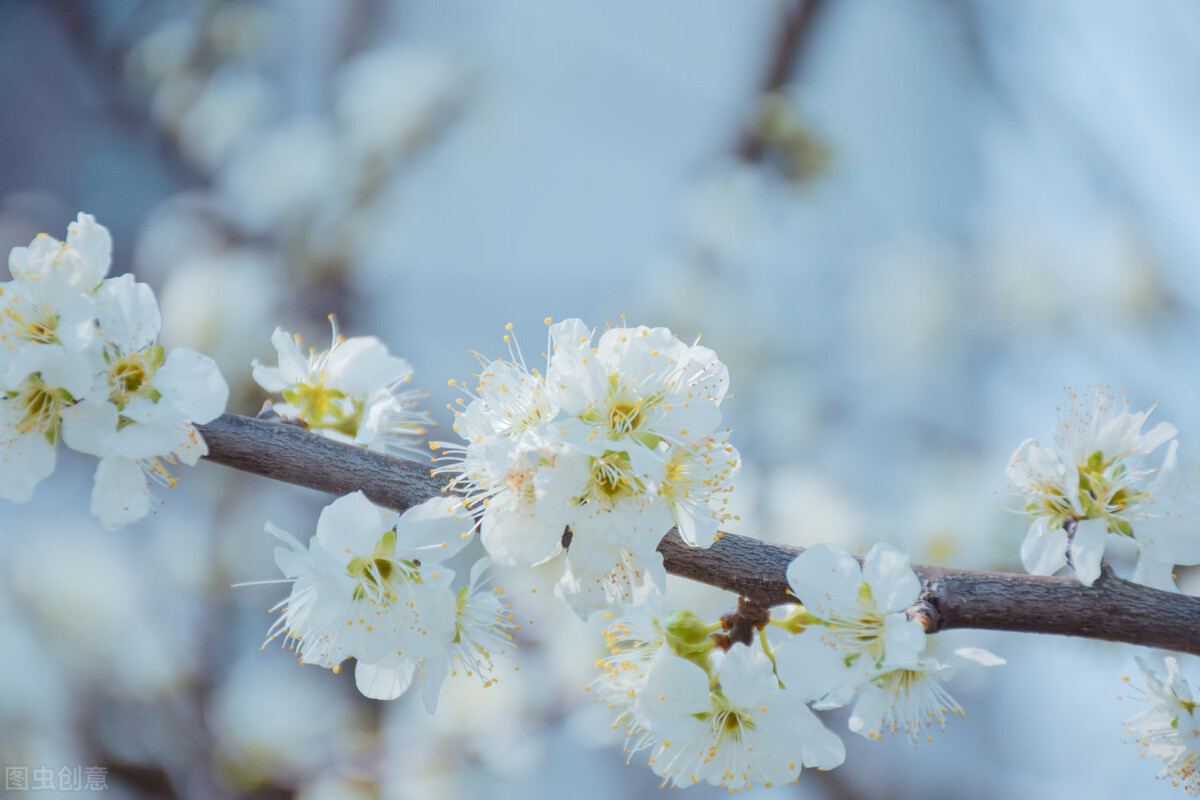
x=1111, y=609
x=794, y=30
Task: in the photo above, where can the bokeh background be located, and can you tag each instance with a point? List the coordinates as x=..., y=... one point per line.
x=905, y=226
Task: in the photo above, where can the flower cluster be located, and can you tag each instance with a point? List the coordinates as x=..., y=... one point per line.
x=1170, y=727
x=1096, y=483
x=80, y=361
x=742, y=713
x=373, y=585
x=352, y=392
x=619, y=441
x=706, y=714
x=855, y=639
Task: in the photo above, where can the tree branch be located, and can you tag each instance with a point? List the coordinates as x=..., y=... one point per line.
x=795, y=29
x=1112, y=609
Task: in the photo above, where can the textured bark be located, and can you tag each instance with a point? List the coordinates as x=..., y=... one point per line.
x=1112, y=609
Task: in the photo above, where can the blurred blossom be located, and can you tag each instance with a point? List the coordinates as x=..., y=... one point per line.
x=391, y=99
x=904, y=319
x=187, y=226
x=100, y=612
x=234, y=104
x=242, y=31
x=162, y=54
x=1056, y=251
x=174, y=96
x=725, y=212
x=333, y=785
x=275, y=722
x=280, y=178
x=805, y=508
x=953, y=517
x=222, y=305
x=36, y=696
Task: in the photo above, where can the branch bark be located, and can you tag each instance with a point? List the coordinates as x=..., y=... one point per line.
x=1112, y=609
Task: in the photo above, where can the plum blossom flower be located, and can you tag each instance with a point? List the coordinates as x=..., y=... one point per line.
x=139, y=417
x=632, y=641
x=1097, y=482
x=352, y=392
x=47, y=346
x=740, y=729
x=80, y=361
x=911, y=699
x=371, y=585
x=860, y=628
x=1170, y=727
x=617, y=442
x=31, y=415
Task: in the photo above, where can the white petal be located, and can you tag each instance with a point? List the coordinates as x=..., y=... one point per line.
x=192, y=383
x=1087, y=549
x=362, y=364
x=747, y=675
x=127, y=313
x=384, y=683
x=94, y=244
x=812, y=665
x=1162, y=432
x=1155, y=573
x=25, y=460
x=90, y=427
x=867, y=717
x=903, y=641
x=516, y=539
x=351, y=526
x=979, y=656
x=440, y=523
x=894, y=585
x=1044, y=552
x=825, y=578
x=120, y=495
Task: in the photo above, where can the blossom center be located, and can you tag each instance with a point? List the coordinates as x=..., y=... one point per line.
x=39, y=407
x=130, y=376
x=612, y=475
x=379, y=573
x=40, y=326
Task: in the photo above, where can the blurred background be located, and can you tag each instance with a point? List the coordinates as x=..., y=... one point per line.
x=904, y=226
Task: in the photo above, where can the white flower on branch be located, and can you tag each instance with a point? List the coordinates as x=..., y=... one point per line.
x=859, y=629
x=911, y=699
x=1170, y=727
x=372, y=585
x=138, y=418
x=82, y=360
x=1097, y=482
x=618, y=442
x=353, y=392
x=735, y=730
x=47, y=347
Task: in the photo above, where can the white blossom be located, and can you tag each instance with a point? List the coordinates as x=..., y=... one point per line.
x=860, y=630
x=617, y=442
x=139, y=419
x=1170, y=727
x=1097, y=482
x=911, y=699
x=372, y=585
x=353, y=392
x=742, y=729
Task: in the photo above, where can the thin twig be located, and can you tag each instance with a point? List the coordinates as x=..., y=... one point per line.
x=794, y=32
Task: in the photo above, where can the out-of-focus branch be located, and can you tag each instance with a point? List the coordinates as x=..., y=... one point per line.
x=794, y=31
x=1111, y=609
